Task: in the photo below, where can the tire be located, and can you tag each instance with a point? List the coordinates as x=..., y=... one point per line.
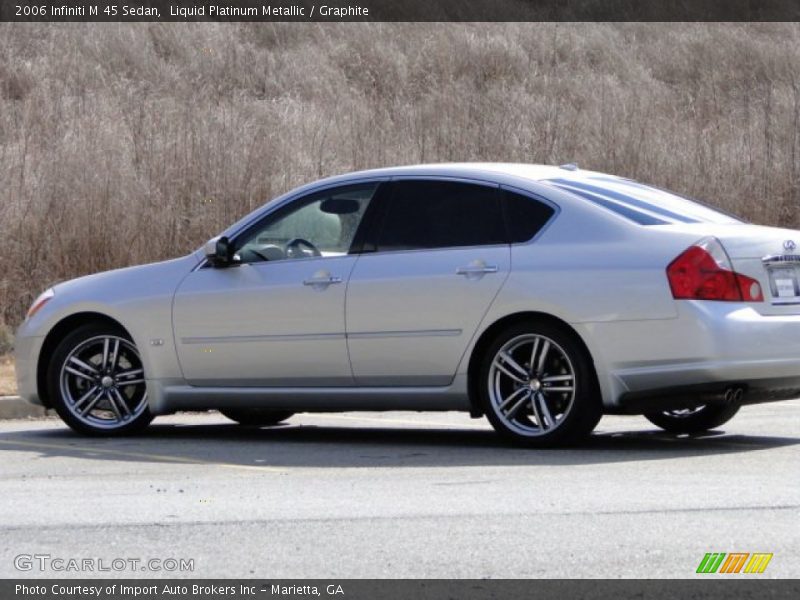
x=515, y=384
x=702, y=418
x=96, y=382
x=257, y=417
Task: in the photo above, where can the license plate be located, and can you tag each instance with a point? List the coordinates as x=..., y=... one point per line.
x=783, y=283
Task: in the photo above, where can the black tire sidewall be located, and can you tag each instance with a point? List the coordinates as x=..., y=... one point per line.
x=256, y=417
x=710, y=416
x=587, y=405
x=64, y=347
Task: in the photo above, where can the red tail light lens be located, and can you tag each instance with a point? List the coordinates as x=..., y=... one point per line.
x=704, y=272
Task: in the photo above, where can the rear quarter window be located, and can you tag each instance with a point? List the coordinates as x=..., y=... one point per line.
x=525, y=216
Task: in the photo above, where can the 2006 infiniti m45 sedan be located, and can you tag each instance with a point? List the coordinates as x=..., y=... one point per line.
x=541, y=297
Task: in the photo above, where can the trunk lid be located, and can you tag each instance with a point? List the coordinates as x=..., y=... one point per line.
x=770, y=255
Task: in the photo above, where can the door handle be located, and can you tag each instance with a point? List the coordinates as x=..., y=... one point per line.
x=322, y=280
x=472, y=270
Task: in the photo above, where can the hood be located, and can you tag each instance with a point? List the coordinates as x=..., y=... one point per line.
x=140, y=280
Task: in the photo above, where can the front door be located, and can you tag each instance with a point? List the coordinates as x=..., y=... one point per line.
x=276, y=318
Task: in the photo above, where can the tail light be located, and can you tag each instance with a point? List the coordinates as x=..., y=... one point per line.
x=704, y=272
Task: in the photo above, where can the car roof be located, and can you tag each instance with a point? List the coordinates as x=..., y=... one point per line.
x=531, y=172
x=638, y=203
x=558, y=181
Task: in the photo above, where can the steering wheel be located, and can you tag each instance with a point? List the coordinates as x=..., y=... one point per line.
x=296, y=248
x=259, y=255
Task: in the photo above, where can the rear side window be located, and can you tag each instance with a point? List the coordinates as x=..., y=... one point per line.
x=525, y=216
x=441, y=214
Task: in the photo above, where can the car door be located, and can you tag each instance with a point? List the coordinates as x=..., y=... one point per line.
x=437, y=258
x=276, y=317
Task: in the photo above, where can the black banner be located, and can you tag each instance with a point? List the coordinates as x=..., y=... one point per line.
x=371, y=589
x=398, y=10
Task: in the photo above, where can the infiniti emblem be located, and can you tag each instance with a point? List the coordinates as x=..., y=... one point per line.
x=789, y=245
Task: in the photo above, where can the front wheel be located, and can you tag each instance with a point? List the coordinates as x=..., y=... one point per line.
x=537, y=386
x=96, y=382
x=256, y=417
x=694, y=420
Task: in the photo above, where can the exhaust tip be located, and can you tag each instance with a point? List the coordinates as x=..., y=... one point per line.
x=734, y=394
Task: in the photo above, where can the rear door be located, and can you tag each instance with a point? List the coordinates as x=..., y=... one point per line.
x=436, y=259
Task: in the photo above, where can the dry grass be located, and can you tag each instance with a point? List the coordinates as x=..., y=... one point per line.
x=8, y=382
x=128, y=143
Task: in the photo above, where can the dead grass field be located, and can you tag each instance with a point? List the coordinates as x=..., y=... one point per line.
x=8, y=384
x=126, y=143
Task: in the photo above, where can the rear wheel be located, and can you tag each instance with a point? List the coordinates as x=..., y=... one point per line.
x=537, y=386
x=693, y=420
x=96, y=382
x=256, y=417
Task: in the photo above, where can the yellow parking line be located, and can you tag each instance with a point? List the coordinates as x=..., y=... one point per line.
x=145, y=455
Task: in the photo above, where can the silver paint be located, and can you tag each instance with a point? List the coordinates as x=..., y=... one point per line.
x=397, y=330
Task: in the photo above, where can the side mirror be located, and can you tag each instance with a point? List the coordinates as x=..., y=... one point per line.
x=219, y=252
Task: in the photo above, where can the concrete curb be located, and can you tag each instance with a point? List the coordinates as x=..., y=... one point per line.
x=14, y=407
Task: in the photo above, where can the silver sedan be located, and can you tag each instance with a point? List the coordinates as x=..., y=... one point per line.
x=540, y=297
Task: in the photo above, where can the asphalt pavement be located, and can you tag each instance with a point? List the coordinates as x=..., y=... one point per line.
x=427, y=495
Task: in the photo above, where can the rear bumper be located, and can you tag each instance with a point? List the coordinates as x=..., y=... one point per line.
x=694, y=358
x=752, y=392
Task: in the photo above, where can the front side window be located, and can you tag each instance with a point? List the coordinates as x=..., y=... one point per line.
x=440, y=214
x=321, y=224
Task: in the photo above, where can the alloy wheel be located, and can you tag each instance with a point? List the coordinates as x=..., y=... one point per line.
x=532, y=385
x=102, y=382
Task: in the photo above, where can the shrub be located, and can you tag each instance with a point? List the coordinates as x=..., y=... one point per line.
x=136, y=143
